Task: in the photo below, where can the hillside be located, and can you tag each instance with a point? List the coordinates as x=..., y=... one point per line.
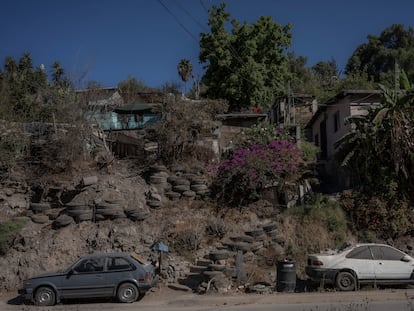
x=192, y=228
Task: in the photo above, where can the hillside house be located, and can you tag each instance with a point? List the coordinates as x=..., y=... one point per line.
x=121, y=120
x=293, y=112
x=328, y=125
x=232, y=124
x=293, y=109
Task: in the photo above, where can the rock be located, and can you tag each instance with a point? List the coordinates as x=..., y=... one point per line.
x=240, y=267
x=89, y=180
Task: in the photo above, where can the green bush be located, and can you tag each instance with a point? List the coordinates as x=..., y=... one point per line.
x=322, y=209
x=384, y=215
x=8, y=231
x=262, y=133
x=309, y=151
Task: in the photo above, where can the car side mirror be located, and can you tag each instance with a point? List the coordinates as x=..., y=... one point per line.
x=406, y=258
x=71, y=271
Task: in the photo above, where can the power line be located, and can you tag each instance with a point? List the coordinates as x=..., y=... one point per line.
x=203, y=5
x=177, y=20
x=191, y=16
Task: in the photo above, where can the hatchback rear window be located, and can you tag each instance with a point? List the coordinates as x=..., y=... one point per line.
x=118, y=264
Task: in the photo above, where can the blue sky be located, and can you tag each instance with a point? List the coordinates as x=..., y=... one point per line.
x=110, y=40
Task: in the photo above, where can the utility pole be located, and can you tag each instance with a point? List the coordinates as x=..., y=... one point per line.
x=396, y=79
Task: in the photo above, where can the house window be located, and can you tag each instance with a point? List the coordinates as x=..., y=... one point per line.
x=316, y=140
x=337, y=123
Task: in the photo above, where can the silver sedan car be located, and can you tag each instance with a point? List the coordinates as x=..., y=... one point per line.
x=355, y=265
x=124, y=276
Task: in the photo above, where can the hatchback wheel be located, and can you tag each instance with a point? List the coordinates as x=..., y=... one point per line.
x=345, y=281
x=45, y=296
x=127, y=292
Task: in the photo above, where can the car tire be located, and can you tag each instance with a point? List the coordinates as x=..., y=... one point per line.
x=345, y=281
x=127, y=293
x=45, y=296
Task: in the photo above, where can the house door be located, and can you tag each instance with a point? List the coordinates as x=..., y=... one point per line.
x=324, y=148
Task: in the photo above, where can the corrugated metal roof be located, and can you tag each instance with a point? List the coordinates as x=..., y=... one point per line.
x=136, y=107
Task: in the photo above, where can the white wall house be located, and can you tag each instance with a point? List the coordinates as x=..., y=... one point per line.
x=327, y=125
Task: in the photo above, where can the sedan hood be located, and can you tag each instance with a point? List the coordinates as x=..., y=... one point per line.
x=48, y=274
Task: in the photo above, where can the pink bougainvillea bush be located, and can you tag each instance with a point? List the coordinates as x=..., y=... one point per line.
x=241, y=178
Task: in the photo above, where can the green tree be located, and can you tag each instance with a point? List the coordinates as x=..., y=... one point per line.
x=303, y=78
x=248, y=65
x=380, y=54
x=26, y=94
x=327, y=73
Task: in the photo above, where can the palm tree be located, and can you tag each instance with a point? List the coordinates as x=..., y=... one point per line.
x=25, y=64
x=10, y=68
x=57, y=72
x=185, y=70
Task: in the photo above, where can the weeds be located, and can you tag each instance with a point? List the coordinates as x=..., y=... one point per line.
x=8, y=231
x=324, y=210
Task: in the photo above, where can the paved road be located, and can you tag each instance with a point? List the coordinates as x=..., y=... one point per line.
x=167, y=300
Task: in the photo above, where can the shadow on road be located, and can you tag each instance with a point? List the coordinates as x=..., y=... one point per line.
x=18, y=300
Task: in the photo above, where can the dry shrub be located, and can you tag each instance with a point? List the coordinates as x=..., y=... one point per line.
x=187, y=235
x=216, y=227
x=184, y=126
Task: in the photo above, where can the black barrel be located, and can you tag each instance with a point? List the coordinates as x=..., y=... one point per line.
x=286, y=276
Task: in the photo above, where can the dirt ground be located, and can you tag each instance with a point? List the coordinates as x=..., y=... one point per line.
x=167, y=297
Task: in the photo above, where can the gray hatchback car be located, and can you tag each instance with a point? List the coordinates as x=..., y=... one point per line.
x=122, y=275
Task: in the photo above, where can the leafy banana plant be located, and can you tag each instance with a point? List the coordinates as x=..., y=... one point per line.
x=382, y=141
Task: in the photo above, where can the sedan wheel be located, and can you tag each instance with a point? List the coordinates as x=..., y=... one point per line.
x=345, y=281
x=45, y=296
x=127, y=292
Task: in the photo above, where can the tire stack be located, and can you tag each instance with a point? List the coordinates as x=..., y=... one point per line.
x=181, y=185
x=79, y=211
x=271, y=230
x=62, y=221
x=243, y=243
x=154, y=199
x=158, y=175
x=38, y=212
x=176, y=183
x=199, y=186
x=110, y=209
x=196, y=277
x=217, y=274
x=136, y=213
x=259, y=237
